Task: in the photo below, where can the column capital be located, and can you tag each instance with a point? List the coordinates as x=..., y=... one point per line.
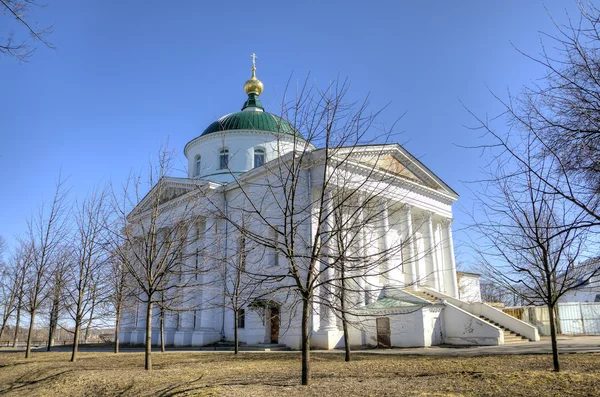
x=407, y=209
x=447, y=222
x=429, y=216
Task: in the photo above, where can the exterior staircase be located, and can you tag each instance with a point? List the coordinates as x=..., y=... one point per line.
x=510, y=337
x=424, y=295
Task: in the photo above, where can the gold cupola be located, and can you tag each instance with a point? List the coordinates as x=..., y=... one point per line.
x=254, y=85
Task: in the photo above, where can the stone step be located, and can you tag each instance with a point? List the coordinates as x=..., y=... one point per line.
x=424, y=295
x=510, y=337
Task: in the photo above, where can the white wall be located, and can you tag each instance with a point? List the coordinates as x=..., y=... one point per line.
x=462, y=328
x=241, y=145
x=581, y=296
x=469, y=288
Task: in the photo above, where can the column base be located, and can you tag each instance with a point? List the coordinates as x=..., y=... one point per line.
x=205, y=337
x=183, y=337
x=327, y=340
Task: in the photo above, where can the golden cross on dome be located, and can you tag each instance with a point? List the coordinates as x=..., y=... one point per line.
x=254, y=60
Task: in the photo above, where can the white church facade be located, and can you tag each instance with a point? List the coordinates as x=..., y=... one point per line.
x=409, y=299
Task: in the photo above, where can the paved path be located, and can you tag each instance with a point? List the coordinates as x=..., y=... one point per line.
x=575, y=344
x=566, y=344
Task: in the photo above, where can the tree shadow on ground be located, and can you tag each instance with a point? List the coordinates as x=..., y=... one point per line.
x=180, y=388
x=36, y=379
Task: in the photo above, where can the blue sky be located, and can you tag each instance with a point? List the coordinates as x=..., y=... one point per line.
x=129, y=75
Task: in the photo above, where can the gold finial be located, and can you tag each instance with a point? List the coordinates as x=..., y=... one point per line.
x=254, y=85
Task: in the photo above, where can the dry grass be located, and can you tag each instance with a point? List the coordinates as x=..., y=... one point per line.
x=273, y=374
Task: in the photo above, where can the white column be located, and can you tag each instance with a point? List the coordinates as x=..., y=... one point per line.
x=410, y=241
x=432, y=253
x=328, y=320
x=186, y=318
x=439, y=254
x=384, y=243
x=205, y=316
x=453, y=281
x=360, y=242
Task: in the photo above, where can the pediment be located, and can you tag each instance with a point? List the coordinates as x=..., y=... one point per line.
x=164, y=191
x=396, y=160
x=394, y=166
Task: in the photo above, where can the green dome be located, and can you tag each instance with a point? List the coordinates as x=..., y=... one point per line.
x=252, y=120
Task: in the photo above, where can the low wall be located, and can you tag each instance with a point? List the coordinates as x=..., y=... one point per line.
x=481, y=309
x=462, y=328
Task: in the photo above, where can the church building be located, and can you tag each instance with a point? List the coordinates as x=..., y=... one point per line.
x=400, y=262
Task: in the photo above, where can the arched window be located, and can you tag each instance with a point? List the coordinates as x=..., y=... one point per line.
x=223, y=158
x=198, y=165
x=259, y=157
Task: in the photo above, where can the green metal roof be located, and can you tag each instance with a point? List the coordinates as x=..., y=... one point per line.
x=253, y=102
x=252, y=120
x=389, y=303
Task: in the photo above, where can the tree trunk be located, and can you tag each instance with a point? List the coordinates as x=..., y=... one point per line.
x=148, y=347
x=30, y=333
x=2, y=329
x=117, y=323
x=162, y=330
x=53, y=323
x=89, y=324
x=17, y=325
x=235, y=332
x=305, y=341
x=553, y=338
x=343, y=314
x=76, y=340
x=346, y=336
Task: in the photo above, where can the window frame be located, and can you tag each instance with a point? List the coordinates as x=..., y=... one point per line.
x=259, y=151
x=223, y=154
x=197, y=165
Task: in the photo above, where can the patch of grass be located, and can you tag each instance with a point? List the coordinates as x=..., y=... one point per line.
x=271, y=374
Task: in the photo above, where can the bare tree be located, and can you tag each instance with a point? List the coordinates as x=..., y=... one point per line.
x=152, y=240
x=291, y=210
x=529, y=241
x=89, y=259
x=22, y=261
x=20, y=12
x=8, y=293
x=560, y=114
x=56, y=290
x=552, y=140
x=46, y=233
x=240, y=287
x=118, y=292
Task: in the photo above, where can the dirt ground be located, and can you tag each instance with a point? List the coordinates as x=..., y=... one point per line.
x=275, y=374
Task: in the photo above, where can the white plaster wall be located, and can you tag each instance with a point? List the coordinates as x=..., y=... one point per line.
x=407, y=329
x=241, y=145
x=462, y=328
x=469, y=288
x=432, y=326
x=581, y=296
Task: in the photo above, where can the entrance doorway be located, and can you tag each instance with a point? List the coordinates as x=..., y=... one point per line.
x=384, y=333
x=274, y=324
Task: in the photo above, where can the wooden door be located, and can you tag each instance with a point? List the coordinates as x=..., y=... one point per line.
x=274, y=325
x=383, y=333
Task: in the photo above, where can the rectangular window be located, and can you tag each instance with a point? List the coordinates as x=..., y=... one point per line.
x=198, y=166
x=241, y=319
x=223, y=159
x=259, y=157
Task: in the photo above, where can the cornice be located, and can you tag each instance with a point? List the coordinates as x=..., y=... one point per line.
x=203, y=138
